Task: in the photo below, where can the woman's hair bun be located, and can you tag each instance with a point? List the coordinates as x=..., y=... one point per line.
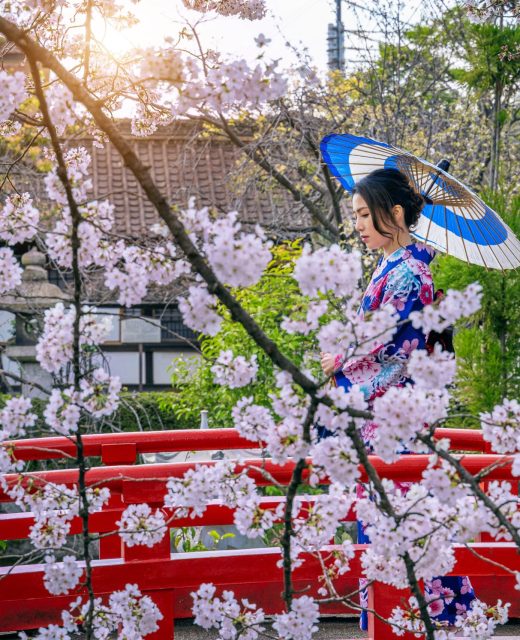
x=384, y=188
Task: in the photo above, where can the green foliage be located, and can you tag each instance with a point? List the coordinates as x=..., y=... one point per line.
x=485, y=66
x=487, y=348
x=273, y=297
x=143, y=411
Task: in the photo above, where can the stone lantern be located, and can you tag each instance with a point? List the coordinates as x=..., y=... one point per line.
x=28, y=301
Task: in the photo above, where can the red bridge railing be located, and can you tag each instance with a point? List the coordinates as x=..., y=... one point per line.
x=252, y=573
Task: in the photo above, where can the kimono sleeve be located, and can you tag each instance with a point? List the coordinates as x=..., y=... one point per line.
x=385, y=365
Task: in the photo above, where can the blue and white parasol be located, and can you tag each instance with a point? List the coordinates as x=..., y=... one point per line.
x=454, y=220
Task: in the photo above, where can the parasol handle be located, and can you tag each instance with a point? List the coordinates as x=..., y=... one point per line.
x=443, y=165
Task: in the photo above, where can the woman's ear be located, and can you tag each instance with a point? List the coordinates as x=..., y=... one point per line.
x=398, y=212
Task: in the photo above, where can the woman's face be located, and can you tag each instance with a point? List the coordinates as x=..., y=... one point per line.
x=365, y=226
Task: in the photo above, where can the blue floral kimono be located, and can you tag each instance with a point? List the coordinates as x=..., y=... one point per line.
x=404, y=280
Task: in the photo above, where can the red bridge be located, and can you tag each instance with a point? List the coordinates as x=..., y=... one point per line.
x=252, y=573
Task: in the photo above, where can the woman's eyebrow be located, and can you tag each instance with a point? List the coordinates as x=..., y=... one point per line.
x=358, y=210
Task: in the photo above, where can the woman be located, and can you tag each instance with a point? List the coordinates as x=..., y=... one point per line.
x=385, y=208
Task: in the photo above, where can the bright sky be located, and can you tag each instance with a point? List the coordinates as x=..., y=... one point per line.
x=302, y=22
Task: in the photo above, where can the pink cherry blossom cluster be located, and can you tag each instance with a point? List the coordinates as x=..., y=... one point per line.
x=252, y=421
x=128, y=614
x=317, y=525
x=419, y=517
x=97, y=219
x=61, y=577
x=15, y=417
x=18, y=219
x=501, y=427
x=328, y=270
x=10, y=271
x=199, y=310
x=285, y=440
x=355, y=335
x=62, y=106
x=251, y=519
x=12, y=92
x=54, y=347
x=192, y=493
x=62, y=412
x=300, y=622
x=99, y=393
x=53, y=507
x=455, y=305
x=337, y=459
x=315, y=310
x=140, y=525
x=147, y=118
x=479, y=623
x=234, y=371
x=434, y=370
x=161, y=64
x=77, y=161
x=226, y=614
x=228, y=86
x=238, y=259
x=245, y=9
x=401, y=413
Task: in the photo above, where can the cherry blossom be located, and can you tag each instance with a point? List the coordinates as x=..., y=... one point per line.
x=401, y=413
x=455, y=305
x=199, y=310
x=61, y=577
x=127, y=613
x=99, y=394
x=501, y=427
x=229, y=86
x=97, y=219
x=16, y=416
x=225, y=614
x=337, y=459
x=161, y=64
x=12, y=92
x=139, y=525
x=238, y=258
x=245, y=9
x=54, y=347
x=18, y=219
x=420, y=518
x=77, y=161
x=62, y=106
x=317, y=526
x=10, y=271
x=301, y=622
x=234, y=371
x=481, y=621
x=219, y=481
x=252, y=421
x=328, y=270
x=251, y=519
x=432, y=371
x=314, y=311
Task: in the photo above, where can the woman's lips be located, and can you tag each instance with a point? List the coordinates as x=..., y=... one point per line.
x=364, y=238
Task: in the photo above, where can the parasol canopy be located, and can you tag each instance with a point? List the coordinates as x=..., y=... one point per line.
x=454, y=219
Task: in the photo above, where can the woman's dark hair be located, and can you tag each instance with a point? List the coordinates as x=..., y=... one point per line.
x=382, y=190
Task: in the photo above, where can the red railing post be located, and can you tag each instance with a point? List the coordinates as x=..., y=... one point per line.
x=111, y=546
x=383, y=598
x=164, y=600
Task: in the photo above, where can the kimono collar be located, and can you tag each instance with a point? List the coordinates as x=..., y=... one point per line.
x=416, y=250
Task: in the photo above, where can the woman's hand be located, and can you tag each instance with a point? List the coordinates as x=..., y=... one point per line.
x=327, y=363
